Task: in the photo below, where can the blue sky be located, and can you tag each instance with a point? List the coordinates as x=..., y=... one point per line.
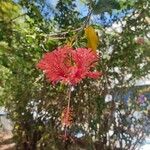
x=80, y=6
x=105, y=20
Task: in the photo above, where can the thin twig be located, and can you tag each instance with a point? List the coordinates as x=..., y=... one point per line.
x=11, y=20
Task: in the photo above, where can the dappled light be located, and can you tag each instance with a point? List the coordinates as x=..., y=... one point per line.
x=75, y=75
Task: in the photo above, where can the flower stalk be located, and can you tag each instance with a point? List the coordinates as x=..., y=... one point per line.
x=68, y=110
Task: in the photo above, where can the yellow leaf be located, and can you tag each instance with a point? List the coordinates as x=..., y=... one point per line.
x=92, y=38
x=70, y=41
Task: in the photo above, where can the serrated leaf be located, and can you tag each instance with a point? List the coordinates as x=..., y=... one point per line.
x=92, y=38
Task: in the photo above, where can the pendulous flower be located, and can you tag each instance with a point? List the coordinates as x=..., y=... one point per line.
x=68, y=65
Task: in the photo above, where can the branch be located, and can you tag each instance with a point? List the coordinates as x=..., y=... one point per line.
x=11, y=20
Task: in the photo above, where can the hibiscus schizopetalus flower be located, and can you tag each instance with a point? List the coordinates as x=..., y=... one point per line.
x=68, y=65
x=67, y=117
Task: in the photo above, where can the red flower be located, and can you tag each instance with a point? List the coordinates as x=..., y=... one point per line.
x=67, y=117
x=68, y=65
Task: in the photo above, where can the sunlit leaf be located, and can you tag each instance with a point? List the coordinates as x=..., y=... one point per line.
x=8, y=10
